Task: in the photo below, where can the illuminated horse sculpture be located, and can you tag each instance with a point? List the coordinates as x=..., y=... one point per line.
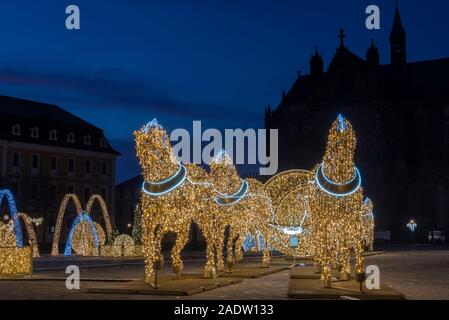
x=368, y=224
x=336, y=204
x=244, y=205
x=173, y=195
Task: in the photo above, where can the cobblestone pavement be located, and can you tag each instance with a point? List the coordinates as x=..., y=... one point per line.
x=419, y=274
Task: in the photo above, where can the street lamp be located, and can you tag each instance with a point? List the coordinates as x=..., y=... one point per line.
x=412, y=225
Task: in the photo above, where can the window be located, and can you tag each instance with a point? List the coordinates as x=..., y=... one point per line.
x=34, y=132
x=103, y=142
x=35, y=161
x=71, y=165
x=34, y=192
x=88, y=167
x=16, y=160
x=15, y=130
x=52, y=193
x=71, y=137
x=86, y=193
x=104, y=168
x=53, y=135
x=87, y=140
x=53, y=163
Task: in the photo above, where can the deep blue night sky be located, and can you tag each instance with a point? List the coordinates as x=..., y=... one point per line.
x=217, y=61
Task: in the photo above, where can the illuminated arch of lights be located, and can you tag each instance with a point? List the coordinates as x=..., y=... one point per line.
x=79, y=211
x=14, y=214
x=28, y=221
x=104, y=210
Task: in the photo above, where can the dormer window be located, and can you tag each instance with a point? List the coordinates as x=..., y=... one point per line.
x=15, y=130
x=53, y=136
x=103, y=142
x=71, y=138
x=34, y=132
x=87, y=140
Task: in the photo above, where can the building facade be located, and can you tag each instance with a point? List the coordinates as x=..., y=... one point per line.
x=400, y=112
x=45, y=153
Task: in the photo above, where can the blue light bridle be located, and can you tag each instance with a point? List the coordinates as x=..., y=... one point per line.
x=226, y=200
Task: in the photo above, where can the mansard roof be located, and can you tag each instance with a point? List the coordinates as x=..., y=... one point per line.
x=29, y=114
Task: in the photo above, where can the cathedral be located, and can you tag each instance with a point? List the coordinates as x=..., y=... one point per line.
x=400, y=113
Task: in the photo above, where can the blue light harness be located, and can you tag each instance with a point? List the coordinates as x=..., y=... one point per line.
x=338, y=189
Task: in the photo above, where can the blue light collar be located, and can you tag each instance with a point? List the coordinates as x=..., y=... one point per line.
x=338, y=189
x=160, y=188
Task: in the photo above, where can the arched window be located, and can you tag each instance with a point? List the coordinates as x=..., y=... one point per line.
x=34, y=132
x=103, y=142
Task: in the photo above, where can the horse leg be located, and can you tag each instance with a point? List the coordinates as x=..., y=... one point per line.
x=230, y=249
x=345, y=263
x=266, y=251
x=159, y=257
x=182, y=237
x=149, y=251
x=209, y=269
x=238, y=248
x=219, y=243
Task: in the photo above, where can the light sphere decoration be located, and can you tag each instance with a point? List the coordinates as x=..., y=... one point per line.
x=83, y=236
x=290, y=192
x=103, y=236
x=83, y=239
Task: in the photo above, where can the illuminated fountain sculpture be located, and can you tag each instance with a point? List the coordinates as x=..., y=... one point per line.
x=15, y=258
x=85, y=236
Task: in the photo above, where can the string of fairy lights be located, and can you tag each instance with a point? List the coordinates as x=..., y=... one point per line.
x=324, y=208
